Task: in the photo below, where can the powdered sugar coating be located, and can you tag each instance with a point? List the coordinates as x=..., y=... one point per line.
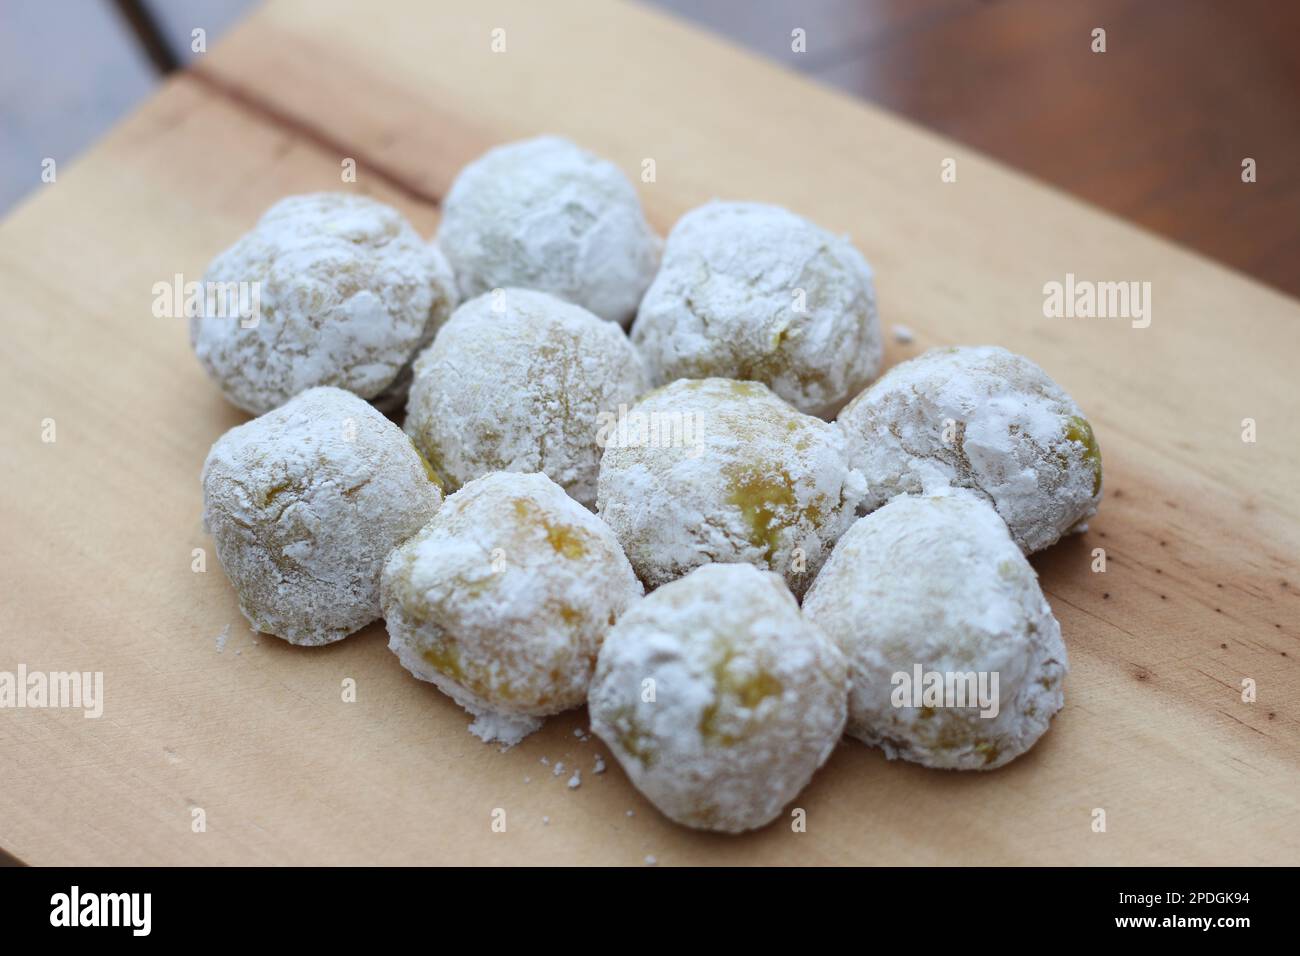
x=348, y=291
x=748, y=697
x=985, y=419
x=503, y=599
x=519, y=381
x=543, y=214
x=305, y=503
x=752, y=480
x=937, y=581
x=751, y=291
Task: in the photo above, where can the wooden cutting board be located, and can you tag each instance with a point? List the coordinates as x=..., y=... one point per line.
x=1201, y=529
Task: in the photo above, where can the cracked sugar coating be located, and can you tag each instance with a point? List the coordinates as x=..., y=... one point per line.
x=519, y=381
x=304, y=505
x=543, y=214
x=717, y=470
x=503, y=599
x=749, y=697
x=937, y=582
x=1017, y=439
x=750, y=291
x=348, y=292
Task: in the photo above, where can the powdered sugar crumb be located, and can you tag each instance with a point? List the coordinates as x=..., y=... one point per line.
x=509, y=729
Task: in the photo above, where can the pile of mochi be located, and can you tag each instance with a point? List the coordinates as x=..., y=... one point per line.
x=721, y=531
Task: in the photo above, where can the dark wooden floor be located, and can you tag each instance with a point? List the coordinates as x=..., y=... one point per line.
x=1155, y=129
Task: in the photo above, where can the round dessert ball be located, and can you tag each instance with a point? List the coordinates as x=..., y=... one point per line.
x=750, y=291
x=955, y=659
x=543, y=214
x=718, y=698
x=503, y=599
x=305, y=503
x=707, y=470
x=327, y=289
x=984, y=419
x=521, y=381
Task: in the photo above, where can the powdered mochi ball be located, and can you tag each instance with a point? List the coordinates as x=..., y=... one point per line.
x=718, y=698
x=544, y=214
x=346, y=294
x=304, y=505
x=521, y=381
x=503, y=599
x=716, y=470
x=983, y=419
x=750, y=291
x=932, y=591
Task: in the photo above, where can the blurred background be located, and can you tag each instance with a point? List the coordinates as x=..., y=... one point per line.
x=1155, y=129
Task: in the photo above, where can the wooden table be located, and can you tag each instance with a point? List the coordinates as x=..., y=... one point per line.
x=1201, y=529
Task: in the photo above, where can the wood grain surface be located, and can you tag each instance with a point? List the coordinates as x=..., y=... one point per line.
x=1201, y=529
